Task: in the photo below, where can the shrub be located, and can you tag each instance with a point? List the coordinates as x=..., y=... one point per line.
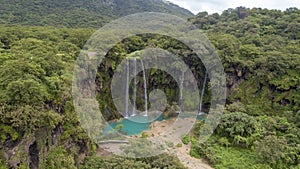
x=185, y=139
x=59, y=158
x=144, y=135
x=170, y=144
x=179, y=145
x=204, y=150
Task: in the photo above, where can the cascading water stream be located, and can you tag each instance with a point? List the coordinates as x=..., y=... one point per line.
x=134, y=87
x=127, y=89
x=181, y=88
x=145, y=89
x=202, y=94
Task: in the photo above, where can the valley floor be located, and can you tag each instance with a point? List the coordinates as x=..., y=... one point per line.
x=160, y=129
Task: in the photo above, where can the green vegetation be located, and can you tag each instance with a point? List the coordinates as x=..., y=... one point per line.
x=36, y=104
x=35, y=100
x=163, y=161
x=156, y=78
x=185, y=139
x=84, y=14
x=257, y=141
x=260, y=50
x=144, y=135
x=179, y=145
x=59, y=158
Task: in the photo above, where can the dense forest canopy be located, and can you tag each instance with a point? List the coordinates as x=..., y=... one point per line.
x=260, y=50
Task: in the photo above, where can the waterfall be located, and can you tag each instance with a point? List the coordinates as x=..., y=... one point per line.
x=127, y=89
x=181, y=88
x=145, y=89
x=202, y=94
x=134, y=87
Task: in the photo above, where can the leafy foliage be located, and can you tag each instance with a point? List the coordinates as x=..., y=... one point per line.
x=163, y=161
x=241, y=129
x=36, y=76
x=59, y=158
x=257, y=50
x=185, y=139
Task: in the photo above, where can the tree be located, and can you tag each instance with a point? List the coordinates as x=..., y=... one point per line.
x=202, y=14
x=272, y=149
x=25, y=118
x=26, y=92
x=249, y=51
x=240, y=128
x=59, y=158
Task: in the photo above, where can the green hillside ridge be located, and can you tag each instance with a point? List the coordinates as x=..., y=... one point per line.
x=79, y=13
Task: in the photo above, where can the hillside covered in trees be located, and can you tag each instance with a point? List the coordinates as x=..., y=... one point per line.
x=260, y=52
x=77, y=13
x=259, y=48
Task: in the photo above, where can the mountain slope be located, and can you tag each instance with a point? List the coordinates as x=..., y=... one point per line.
x=77, y=13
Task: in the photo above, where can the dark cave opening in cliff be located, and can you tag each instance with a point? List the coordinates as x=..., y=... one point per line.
x=33, y=156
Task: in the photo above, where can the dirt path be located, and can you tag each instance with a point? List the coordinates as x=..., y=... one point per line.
x=183, y=154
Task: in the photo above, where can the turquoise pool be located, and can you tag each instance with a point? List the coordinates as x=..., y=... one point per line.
x=131, y=125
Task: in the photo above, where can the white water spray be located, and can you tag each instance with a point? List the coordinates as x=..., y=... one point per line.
x=127, y=89
x=134, y=87
x=202, y=94
x=145, y=89
x=181, y=94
